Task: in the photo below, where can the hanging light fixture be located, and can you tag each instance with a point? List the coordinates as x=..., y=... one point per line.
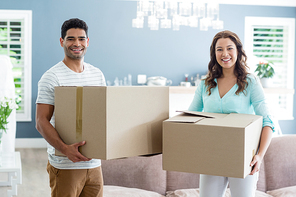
x=173, y=14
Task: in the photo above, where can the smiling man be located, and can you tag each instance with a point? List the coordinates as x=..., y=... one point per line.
x=74, y=175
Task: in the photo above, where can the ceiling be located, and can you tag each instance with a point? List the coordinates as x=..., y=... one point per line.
x=285, y=3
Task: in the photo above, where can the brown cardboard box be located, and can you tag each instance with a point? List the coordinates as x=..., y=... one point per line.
x=115, y=122
x=211, y=143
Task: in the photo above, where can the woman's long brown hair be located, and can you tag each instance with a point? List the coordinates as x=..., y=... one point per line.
x=215, y=70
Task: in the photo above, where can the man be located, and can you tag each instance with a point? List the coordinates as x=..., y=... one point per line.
x=73, y=175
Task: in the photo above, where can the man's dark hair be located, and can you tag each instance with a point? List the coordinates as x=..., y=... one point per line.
x=73, y=23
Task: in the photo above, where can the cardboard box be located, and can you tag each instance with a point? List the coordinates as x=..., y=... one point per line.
x=211, y=143
x=115, y=122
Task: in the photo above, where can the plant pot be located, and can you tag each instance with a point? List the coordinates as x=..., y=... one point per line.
x=266, y=82
x=1, y=134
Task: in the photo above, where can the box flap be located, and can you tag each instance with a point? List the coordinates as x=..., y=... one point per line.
x=203, y=114
x=244, y=119
x=215, y=119
x=232, y=120
x=185, y=119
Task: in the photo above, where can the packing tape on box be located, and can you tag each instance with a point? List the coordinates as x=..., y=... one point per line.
x=79, y=94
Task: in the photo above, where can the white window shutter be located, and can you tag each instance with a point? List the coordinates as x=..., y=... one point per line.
x=16, y=42
x=272, y=39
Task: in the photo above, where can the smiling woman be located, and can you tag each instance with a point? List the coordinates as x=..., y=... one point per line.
x=226, y=53
x=226, y=56
x=229, y=88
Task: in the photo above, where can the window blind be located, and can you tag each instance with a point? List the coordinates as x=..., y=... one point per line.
x=273, y=40
x=11, y=44
x=270, y=44
x=15, y=42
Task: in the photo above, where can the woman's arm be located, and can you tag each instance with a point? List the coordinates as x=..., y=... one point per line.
x=259, y=103
x=261, y=108
x=265, y=140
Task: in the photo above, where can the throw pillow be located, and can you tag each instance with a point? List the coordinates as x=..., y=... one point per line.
x=117, y=191
x=195, y=193
x=283, y=192
x=183, y=193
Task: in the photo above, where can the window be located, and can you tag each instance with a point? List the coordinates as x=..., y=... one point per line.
x=16, y=42
x=273, y=40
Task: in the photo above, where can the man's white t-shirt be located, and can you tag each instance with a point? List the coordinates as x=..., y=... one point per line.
x=61, y=75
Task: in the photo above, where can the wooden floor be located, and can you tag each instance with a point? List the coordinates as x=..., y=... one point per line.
x=35, y=178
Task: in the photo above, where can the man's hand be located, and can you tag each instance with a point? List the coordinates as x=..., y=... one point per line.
x=44, y=113
x=71, y=151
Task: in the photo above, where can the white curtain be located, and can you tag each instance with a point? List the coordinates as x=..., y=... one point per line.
x=7, y=89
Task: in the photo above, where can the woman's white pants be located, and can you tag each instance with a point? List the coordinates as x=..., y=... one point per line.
x=215, y=186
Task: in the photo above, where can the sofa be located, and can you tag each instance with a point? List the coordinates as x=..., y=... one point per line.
x=143, y=176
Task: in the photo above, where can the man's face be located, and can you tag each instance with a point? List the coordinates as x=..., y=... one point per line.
x=75, y=43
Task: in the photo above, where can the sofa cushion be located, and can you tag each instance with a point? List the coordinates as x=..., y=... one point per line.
x=283, y=192
x=195, y=193
x=144, y=172
x=116, y=191
x=184, y=180
x=181, y=180
x=280, y=162
x=261, y=184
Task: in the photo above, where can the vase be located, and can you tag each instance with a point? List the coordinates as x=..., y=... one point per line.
x=1, y=134
x=266, y=82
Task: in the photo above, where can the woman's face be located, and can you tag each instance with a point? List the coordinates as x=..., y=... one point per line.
x=226, y=53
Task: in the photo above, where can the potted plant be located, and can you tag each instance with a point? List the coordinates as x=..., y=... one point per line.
x=6, y=107
x=265, y=72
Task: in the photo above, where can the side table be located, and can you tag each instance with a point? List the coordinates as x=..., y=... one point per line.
x=11, y=164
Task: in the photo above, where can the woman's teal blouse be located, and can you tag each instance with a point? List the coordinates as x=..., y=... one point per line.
x=251, y=101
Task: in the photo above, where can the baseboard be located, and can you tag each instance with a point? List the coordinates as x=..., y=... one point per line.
x=30, y=143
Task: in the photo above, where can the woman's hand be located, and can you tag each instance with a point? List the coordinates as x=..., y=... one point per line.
x=266, y=136
x=255, y=164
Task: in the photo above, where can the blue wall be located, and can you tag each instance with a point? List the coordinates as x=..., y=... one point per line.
x=118, y=49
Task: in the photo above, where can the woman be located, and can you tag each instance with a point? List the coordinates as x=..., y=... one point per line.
x=229, y=88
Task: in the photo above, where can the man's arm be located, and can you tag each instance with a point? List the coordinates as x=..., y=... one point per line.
x=44, y=113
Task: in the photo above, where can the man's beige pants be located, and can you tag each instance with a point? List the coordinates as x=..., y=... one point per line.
x=75, y=183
